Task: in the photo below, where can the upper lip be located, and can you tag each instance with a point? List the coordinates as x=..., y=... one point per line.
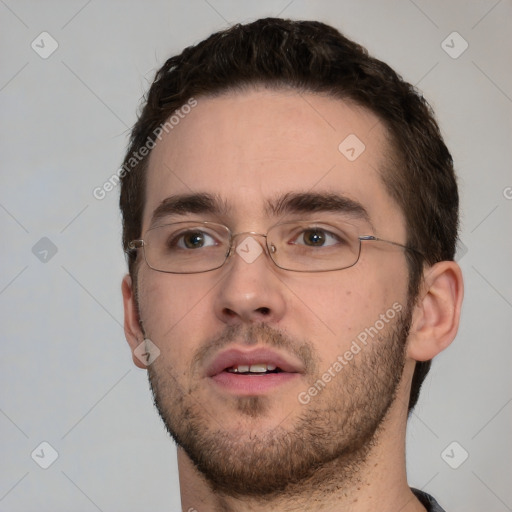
x=234, y=357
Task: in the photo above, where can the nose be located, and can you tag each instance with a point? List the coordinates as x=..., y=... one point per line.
x=251, y=290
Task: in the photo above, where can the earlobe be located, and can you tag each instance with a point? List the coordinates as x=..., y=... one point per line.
x=437, y=311
x=132, y=330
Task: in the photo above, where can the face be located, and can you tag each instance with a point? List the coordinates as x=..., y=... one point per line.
x=335, y=338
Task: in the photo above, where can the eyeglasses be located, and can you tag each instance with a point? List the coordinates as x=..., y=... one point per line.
x=298, y=246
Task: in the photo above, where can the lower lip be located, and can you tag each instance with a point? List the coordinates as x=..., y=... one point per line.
x=252, y=384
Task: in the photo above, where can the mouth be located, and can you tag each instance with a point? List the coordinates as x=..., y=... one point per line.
x=254, y=372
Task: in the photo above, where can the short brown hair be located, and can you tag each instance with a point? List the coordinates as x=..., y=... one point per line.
x=313, y=57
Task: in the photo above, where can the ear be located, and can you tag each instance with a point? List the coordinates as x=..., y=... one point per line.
x=132, y=330
x=437, y=311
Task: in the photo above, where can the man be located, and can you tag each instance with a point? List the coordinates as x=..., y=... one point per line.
x=290, y=217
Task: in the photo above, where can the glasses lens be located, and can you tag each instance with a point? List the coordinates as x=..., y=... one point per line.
x=314, y=246
x=186, y=247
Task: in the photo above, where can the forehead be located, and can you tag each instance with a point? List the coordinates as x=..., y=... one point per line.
x=249, y=148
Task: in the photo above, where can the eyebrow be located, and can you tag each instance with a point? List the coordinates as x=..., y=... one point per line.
x=184, y=204
x=289, y=203
x=311, y=202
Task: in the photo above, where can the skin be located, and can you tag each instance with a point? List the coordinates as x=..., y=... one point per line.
x=247, y=148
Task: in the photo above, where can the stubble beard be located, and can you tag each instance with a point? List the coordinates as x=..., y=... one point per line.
x=329, y=441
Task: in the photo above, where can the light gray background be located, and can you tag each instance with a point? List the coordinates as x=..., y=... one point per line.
x=66, y=372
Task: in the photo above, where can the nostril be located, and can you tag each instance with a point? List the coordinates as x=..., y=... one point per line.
x=264, y=311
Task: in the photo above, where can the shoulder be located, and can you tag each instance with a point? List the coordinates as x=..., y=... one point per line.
x=427, y=501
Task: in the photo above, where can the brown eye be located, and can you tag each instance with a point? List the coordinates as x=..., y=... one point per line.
x=194, y=240
x=317, y=237
x=314, y=237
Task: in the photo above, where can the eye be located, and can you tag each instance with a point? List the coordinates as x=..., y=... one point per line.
x=316, y=237
x=195, y=239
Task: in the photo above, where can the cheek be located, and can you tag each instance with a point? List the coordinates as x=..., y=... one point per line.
x=337, y=307
x=172, y=309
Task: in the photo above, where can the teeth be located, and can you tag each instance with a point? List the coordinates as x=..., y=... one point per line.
x=257, y=368
x=253, y=368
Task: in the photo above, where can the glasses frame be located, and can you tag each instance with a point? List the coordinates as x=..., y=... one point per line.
x=141, y=244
